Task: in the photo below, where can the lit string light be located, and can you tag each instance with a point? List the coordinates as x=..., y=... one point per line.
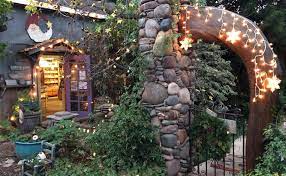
x=186, y=43
x=251, y=37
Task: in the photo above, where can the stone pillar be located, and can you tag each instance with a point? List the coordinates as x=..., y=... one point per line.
x=166, y=92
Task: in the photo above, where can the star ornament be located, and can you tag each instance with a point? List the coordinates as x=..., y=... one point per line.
x=186, y=43
x=273, y=83
x=233, y=36
x=49, y=24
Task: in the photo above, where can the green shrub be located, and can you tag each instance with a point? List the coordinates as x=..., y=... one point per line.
x=127, y=140
x=64, y=167
x=273, y=161
x=209, y=138
x=68, y=137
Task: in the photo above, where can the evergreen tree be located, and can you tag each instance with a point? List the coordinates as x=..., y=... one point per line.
x=214, y=78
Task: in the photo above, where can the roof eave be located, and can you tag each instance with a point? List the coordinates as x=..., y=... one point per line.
x=64, y=9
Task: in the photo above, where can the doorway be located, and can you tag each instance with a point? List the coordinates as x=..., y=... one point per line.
x=61, y=77
x=50, y=84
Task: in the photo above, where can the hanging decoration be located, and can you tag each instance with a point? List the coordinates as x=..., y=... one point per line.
x=34, y=30
x=186, y=41
x=240, y=31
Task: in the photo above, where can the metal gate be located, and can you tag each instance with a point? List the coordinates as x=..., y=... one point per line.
x=233, y=162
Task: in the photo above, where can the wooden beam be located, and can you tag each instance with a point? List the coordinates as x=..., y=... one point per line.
x=64, y=9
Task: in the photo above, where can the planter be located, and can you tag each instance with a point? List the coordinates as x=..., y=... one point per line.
x=28, y=121
x=27, y=150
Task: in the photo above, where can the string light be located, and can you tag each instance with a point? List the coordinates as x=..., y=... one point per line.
x=249, y=36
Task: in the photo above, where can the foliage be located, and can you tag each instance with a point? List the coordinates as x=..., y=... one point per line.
x=17, y=136
x=127, y=140
x=199, y=2
x=2, y=50
x=5, y=8
x=26, y=103
x=65, y=167
x=273, y=161
x=112, y=44
x=66, y=135
x=31, y=7
x=214, y=80
x=209, y=138
x=5, y=130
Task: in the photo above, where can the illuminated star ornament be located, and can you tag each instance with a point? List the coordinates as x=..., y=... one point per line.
x=49, y=24
x=273, y=83
x=233, y=36
x=186, y=43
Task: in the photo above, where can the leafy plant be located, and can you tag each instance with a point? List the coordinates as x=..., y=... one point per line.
x=31, y=7
x=65, y=167
x=66, y=135
x=214, y=79
x=113, y=43
x=273, y=161
x=30, y=105
x=17, y=136
x=209, y=138
x=5, y=129
x=128, y=139
x=5, y=8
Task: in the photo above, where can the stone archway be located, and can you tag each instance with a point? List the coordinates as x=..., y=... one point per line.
x=168, y=88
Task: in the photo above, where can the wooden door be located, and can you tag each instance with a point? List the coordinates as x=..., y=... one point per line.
x=78, y=84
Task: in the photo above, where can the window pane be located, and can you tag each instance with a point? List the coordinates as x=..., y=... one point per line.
x=74, y=106
x=83, y=106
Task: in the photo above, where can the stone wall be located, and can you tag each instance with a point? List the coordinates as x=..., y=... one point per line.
x=169, y=77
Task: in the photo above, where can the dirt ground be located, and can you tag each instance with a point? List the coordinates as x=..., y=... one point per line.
x=8, y=160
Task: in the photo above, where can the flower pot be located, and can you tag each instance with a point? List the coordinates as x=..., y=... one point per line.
x=27, y=150
x=29, y=120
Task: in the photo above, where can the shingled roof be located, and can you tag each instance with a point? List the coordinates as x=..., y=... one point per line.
x=53, y=45
x=90, y=8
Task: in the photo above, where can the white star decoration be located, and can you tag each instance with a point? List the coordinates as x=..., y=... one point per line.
x=186, y=43
x=273, y=83
x=233, y=36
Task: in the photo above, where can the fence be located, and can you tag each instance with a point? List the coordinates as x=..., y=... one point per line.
x=233, y=162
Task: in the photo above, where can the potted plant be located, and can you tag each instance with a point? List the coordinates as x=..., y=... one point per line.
x=29, y=115
x=28, y=112
x=27, y=146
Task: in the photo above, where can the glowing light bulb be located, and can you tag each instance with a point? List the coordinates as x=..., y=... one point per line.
x=273, y=83
x=233, y=36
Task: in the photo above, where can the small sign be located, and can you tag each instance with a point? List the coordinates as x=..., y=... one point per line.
x=10, y=82
x=19, y=68
x=231, y=125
